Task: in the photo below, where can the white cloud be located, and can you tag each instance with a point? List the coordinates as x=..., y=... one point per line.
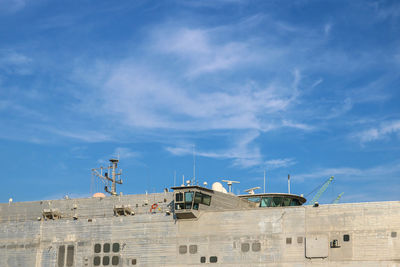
x=279, y=163
x=125, y=153
x=202, y=51
x=12, y=62
x=243, y=153
x=377, y=133
x=11, y=6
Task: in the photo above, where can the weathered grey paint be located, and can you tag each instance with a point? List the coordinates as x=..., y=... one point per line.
x=284, y=236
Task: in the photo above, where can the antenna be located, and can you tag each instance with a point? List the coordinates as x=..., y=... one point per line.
x=106, y=177
x=251, y=190
x=288, y=183
x=264, y=180
x=194, y=164
x=229, y=183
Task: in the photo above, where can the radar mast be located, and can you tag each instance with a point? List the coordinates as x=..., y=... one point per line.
x=114, y=179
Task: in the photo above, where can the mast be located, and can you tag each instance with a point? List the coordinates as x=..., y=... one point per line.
x=114, y=179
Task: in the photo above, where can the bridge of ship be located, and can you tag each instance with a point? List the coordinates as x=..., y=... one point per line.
x=189, y=201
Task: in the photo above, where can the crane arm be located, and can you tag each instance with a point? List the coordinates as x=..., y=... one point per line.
x=321, y=191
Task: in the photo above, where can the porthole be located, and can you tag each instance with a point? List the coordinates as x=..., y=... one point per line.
x=106, y=260
x=106, y=248
x=256, y=246
x=245, y=247
x=115, y=247
x=183, y=249
x=213, y=259
x=202, y=259
x=193, y=249
x=96, y=261
x=288, y=240
x=115, y=260
x=97, y=248
x=133, y=262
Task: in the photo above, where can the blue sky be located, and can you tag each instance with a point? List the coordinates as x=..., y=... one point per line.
x=309, y=88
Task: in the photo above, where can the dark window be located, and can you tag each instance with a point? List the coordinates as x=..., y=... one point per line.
x=206, y=200
x=197, y=197
x=61, y=255
x=115, y=260
x=106, y=260
x=203, y=259
x=96, y=261
x=195, y=206
x=213, y=259
x=286, y=201
x=183, y=249
x=393, y=234
x=193, y=249
x=276, y=201
x=346, y=238
x=97, y=248
x=179, y=197
x=133, y=261
x=106, y=247
x=70, y=255
x=245, y=247
x=288, y=240
x=266, y=202
x=295, y=202
x=179, y=206
x=115, y=247
x=300, y=239
x=256, y=246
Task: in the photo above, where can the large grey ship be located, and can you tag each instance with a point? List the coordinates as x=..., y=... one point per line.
x=195, y=225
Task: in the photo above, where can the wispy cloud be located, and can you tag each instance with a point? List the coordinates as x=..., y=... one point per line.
x=12, y=62
x=383, y=131
x=279, y=163
x=125, y=153
x=11, y=6
x=243, y=152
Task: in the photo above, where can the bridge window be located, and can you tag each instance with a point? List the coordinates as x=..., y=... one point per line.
x=178, y=197
x=206, y=200
x=188, y=200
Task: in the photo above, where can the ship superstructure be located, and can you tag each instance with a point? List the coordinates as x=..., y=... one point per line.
x=197, y=226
